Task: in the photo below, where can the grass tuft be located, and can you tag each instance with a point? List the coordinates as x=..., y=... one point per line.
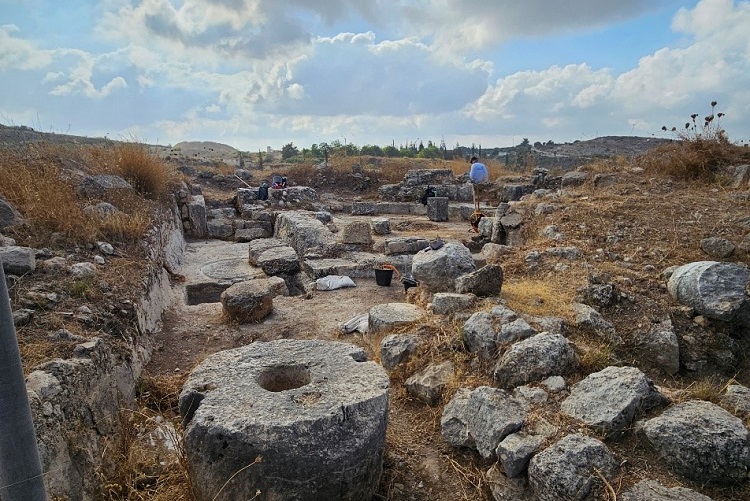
x=148, y=174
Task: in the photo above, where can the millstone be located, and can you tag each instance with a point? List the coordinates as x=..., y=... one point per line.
x=233, y=269
x=314, y=411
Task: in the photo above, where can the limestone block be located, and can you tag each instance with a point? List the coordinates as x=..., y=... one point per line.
x=250, y=234
x=279, y=260
x=437, y=208
x=197, y=216
x=357, y=232
x=428, y=385
x=395, y=349
x=249, y=301
x=9, y=216
x=259, y=246
x=18, y=260
x=389, y=315
x=360, y=208
x=713, y=289
x=486, y=281
x=448, y=303
x=220, y=228
x=437, y=270
x=381, y=226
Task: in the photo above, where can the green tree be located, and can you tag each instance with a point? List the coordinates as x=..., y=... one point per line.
x=430, y=151
x=289, y=151
x=372, y=150
x=391, y=151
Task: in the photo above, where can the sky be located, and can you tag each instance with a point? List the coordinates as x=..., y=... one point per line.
x=260, y=73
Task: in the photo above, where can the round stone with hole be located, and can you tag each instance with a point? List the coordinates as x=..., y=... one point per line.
x=291, y=419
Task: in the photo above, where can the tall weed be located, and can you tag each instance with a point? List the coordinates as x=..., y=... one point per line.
x=699, y=152
x=148, y=174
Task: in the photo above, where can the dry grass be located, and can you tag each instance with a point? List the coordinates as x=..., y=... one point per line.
x=540, y=297
x=709, y=389
x=595, y=355
x=146, y=461
x=697, y=159
x=40, y=181
x=148, y=174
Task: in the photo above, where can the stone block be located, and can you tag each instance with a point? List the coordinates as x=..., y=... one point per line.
x=437, y=208
x=249, y=301
x=381, y=226
x=363, y=208
x=314, y=411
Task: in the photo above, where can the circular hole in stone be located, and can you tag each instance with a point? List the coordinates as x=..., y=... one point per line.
x=285, y=377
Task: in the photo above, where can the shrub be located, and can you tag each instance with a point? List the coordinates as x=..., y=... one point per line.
x=42, y=196
x=148, y=174
x=699, y=152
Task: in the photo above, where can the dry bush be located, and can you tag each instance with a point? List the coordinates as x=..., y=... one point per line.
x=693, y=160
x=146, y=461
x=709, y=389
x=123, y=227
x=619, y=163
x=41, y=196
x=595, y=355
x=161, y=393
x=148, y=174
x=700, y=152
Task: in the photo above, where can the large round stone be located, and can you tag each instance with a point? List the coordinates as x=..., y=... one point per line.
x=314, y=411
x=713, y=289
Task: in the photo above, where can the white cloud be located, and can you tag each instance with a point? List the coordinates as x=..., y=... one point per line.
x=53, y=76
x=16, y=53
x=276, y=70
x=554, y=90
x=714, y=65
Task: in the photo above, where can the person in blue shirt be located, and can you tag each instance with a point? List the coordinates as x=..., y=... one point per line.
x=477, y=175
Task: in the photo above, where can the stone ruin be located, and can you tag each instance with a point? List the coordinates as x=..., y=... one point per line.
x=309, y=380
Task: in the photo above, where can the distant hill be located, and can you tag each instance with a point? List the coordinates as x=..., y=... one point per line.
x=605, y=146
x=549, y=154
x=206, y=148
x=23, y=134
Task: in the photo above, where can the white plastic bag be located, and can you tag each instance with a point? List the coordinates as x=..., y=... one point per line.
x=360, y=323
x=332, y=282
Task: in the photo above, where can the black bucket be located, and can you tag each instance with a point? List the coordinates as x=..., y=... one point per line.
x=383, y=277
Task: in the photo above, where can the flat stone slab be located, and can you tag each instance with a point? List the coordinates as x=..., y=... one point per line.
x=357, y=265
x=389, y=315
x=211, y=267
x=315, y=411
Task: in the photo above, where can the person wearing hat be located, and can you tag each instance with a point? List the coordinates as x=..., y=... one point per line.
x=477, y=175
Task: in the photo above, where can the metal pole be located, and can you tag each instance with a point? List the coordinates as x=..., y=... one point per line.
x=20, y=468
